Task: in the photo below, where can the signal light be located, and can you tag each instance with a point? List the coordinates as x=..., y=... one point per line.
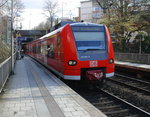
x=72, y=62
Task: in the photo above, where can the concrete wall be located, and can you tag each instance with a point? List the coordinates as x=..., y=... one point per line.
x=133, y=57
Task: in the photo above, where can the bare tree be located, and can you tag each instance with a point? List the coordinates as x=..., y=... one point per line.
x=5, y=13
x=18, y=7
x=3, y=2
x=50, y=9
x=42, y=26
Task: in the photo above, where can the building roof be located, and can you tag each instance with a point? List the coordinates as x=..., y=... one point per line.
x=31, y=32
x=85, y=1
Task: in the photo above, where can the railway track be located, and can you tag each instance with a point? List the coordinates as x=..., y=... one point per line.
x=132, y=83
x=111, y=105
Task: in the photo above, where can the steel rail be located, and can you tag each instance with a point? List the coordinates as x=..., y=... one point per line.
x=131, y=86
x=141, y=111
x=131, y=78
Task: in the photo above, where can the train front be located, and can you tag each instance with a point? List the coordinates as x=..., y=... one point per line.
x=90, y=55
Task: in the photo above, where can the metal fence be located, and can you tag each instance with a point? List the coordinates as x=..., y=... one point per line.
x=133, y=57
x=5, y=70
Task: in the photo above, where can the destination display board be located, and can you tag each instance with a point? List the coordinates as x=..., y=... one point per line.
x=88, y=28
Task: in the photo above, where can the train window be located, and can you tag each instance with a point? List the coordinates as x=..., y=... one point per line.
x=34, y=50
x=90, y=38
x=58, y=41
x=50, y=51
x=44, y=48
x=39, y=49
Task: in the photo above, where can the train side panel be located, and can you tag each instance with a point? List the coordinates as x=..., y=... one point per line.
x=110, y=67
x=70, y=53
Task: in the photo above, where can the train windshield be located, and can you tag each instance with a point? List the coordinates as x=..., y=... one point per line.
x=89, y=37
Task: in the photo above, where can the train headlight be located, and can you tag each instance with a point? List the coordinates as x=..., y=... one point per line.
x=72, y=62
x=111, y=61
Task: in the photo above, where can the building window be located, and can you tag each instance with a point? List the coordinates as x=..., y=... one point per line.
x=96, y=8
x=96, y=15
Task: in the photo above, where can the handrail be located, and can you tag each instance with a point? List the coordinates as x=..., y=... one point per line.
x=5, y=70
x=1, y=64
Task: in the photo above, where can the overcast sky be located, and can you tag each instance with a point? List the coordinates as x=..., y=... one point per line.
x=32, y=14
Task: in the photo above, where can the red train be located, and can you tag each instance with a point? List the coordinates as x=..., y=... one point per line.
x=78, y=51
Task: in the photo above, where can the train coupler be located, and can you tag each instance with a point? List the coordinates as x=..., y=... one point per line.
x=94, y=75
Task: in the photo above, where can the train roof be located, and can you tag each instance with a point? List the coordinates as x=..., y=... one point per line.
x=61, y=24
x=85, y=24
x=72, y=24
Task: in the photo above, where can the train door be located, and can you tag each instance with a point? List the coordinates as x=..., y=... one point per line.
x=58, y=46
x=30, y=48
x=45, y=51
x=37, y=54
x=59, y=54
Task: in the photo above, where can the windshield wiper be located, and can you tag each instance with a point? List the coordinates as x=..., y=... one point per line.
x=92, y=49
x=88, y=49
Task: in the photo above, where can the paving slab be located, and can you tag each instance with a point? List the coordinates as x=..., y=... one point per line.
x=33, y=91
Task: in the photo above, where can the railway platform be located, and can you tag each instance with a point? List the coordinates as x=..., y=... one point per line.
x=137, y=66
x=35, y=92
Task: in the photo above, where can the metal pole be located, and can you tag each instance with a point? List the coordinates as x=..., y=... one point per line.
x=12, y=41
x=62, y=8
x=140, y=45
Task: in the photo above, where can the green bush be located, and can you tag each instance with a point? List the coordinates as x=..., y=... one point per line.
x=134, y=46
x=4, y=52
x=146, y=45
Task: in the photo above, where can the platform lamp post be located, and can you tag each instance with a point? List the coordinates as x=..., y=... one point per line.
x=12, y=41
x=140, y=48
